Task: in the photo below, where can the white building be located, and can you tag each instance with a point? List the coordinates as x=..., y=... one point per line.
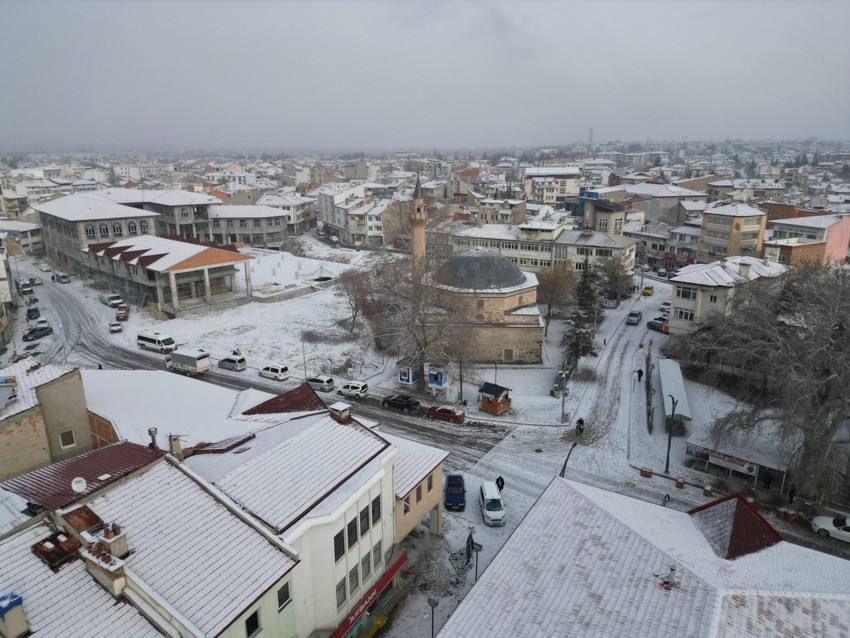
x=333, y=199
x=549, y=184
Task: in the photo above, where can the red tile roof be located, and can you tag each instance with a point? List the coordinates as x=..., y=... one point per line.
x=301, y=399
x=733, y=527
x=50, y=487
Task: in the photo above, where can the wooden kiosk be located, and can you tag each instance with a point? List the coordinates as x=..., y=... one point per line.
x=494, y=398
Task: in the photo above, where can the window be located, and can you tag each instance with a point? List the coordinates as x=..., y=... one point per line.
x=283, y=597
x=602, y=224
x=243, y=223
x=66, y=439
x=353, y=580
x=216, y=223
x=104, y=230
x=131, y=227
x=252, y=624
x=509, y=354
x=184, y=214
x=258, y=223
x=418, y=493
x=430, y=482
x=143, y=226
x=352, y=533
x=685, y=292
x=366, y=567
x=685, y=315
x=340, y=593
x=406, y=502
x=339, y=546
x=364, y=520
x=376, y=509
x=712, y=298
x=89, y=231
x=116, y=229
x=376, y=555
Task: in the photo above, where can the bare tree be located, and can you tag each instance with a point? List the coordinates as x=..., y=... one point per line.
x=356, y=285
x=553, y=290
x=616, y=280
x=784, y=341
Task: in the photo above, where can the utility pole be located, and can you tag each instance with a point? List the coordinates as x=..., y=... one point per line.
x=670, y=433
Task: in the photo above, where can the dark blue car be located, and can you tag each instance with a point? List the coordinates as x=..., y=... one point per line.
x=455, y=493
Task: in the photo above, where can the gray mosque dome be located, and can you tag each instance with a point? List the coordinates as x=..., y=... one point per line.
x=479, y=269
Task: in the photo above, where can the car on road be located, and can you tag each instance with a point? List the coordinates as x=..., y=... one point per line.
x=666, y=304
x=36, y=281
x=355, y=389
x=40, y=323
x=634, y=317
x=662, y=272
x=662, y=319
x=648, y=290
x=37, y=333
x=277, y=372
x=836, y=527
x=62, y=278
x=454, y=494
x=658, y=326
x=44, y=268
x=33, y=313
x=444, y=413
x=401, y=402
x=114, y=326
x=321, y=382
x=122, y=313
x=237, y=364
x=491, y=503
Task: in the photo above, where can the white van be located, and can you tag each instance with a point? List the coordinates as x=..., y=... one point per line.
x=492, y=505
x=111, y=299
x=156, y=341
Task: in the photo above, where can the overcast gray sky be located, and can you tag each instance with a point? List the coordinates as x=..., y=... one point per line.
x=352, y=75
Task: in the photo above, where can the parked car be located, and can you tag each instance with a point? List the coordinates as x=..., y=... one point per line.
x=276, y=372
x=401, y=402
x=836, y=527
x=445, y=414
x=662, y=319
x=454, y=494
x=672, y=273
x=662, y=272
x=114, y=326
x=666, y=304
x=44, y=268
x=355, y=389
x=237, y=364
x=122, y=313
x=37, y=333
x=36, y=281
x=634, y=317
x=648, y=290
x=658, y=326
x=62, y=278
x=321, y=382
x=40, y=323
x=111, y=299
x=491, y=503
x=33, y=313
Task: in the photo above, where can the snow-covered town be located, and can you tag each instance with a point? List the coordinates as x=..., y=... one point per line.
x=358, y=371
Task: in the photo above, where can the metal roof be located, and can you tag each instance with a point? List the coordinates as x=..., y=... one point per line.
x=50, y=487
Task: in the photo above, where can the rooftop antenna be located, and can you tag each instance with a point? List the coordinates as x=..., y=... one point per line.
x=79, y=485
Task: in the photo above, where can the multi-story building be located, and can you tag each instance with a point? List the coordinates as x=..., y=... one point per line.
x=604, y=216
x=139, y=172
x=551, y=184
x=730, y=230
x=333, y=199
x=702, y=288
x=575, y=247
x=22, y=238
x=180, y=213
x=754, y=189
x=301, y=211
x=259, y=226
x=831, y=231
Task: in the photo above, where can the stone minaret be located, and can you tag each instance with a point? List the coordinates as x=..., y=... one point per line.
x=417, y=232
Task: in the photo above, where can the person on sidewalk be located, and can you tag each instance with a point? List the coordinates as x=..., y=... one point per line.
x=792, y=492
x=766, y=480
x=500, y=483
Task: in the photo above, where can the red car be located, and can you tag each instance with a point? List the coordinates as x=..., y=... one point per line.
x=445, y=414
x=122, y=313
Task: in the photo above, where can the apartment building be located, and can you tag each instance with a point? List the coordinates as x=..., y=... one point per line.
x=797, y=236
x=179, y=213
x=300, y=211
x=22, y=238
x=575, y=247
x=731, y=230
x=551, y=184
x=335, y=200
x=259, y=226
x=750, y=189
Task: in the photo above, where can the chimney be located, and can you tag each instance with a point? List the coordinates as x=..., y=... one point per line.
x=13, y=621
x=744, y=270
x=115, y=541
x=174, y=445
x=152, y=433
x=340, y=412
x=106, y=569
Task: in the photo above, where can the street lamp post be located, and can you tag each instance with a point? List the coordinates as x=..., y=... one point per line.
x=477, y=547
x=566, y=460
x=670, y=433
x=432, y=602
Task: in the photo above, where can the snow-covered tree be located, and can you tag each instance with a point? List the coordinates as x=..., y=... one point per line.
x=579, y=341
x=553, y=290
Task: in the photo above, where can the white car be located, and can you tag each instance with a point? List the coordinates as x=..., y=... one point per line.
x=836, y=527
x=44, y=268
x=114, y=326
x=355, y=389
x=276, y=372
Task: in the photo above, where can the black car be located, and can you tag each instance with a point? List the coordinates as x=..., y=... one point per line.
x=33, y=313
x=401, y=402
x=658, y=326
x=37, y=333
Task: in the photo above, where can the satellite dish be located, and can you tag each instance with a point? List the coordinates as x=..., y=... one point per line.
x=79, y=485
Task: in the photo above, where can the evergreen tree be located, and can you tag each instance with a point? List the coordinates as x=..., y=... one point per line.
x=578, y=341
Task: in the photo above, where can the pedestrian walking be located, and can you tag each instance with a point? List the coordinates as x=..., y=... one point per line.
x=580, y=426
x=53, y=278
x=100, y=366
x=766, y=480
x=792, y=492
x=640, y=374
x=500, y=483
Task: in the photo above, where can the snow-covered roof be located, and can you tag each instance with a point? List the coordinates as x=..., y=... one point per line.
x=295, y=466
x=210, y=565
x=15, y=225
x=490, y=231
x=171, y=255
x=727, y=272
x=12, y=513
x=553, y=171
x=598, y=239
x=66, y=601
x=160, y=197
x=89, y=207
x=594, y=561
x=692, y=206
x=661, y=190
x=29, y=374
x=693, y=231
x=283, y=200
x=813, y=221
x=414, y=462
x=735, y=210
x=198, y=411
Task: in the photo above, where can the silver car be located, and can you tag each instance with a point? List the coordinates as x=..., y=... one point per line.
x=237, y=364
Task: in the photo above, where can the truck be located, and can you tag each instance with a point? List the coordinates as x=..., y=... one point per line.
x=188, y=362
x=23, y=286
